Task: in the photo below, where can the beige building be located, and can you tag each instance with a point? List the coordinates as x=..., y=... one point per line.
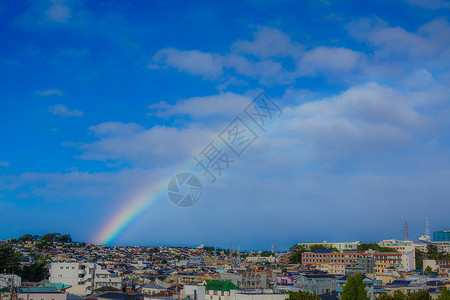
x=332, y=268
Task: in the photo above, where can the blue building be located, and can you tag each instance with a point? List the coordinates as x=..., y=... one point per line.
x=441, y=236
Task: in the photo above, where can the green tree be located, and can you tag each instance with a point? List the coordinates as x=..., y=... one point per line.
x=428, y=270
x=398, y=295
x=266, y=253
x=300, y=295
x=432, y=252
x=445, y=294
x=35, y=272
x=321, y=247
x=9, y=259
x=296, y=252
x=25, y=238
x=419, y=295
x=419, y=259
x=354, y=289
x=374, y=246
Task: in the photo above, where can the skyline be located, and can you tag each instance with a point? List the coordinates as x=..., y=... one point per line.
x=103, y=103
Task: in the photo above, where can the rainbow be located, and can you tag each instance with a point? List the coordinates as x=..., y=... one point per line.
x=134, y=208
x=137, y=206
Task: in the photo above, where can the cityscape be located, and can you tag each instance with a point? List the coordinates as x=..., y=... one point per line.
x=53, y=266
x=225, y=150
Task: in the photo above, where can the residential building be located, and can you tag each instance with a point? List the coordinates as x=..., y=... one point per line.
x=196, y=292
x=327, y=256
x=362, y=265
x=219, y=290
x=341, y=247
x=150, y=289
x=316, y=283
x=332, y=268
x=40, y=293
x=10, y=279
x=256, y=295
x=91, y=275
x=436, y=265
x=372, y=286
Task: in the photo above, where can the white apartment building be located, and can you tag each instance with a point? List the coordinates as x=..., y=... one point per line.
x=341, y=247
x=91, y=275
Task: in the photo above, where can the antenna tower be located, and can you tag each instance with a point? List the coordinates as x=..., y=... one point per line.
x=406, y=230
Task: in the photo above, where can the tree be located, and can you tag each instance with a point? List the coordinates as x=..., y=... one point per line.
x=374, y=246
x=419, y=259
x=321, y=247
x=398, y=295
x=297, y=251
x=419, y=295
x=428, y=270
x=354, y=289
x=35, y=272
x=9, y=259
x=300, y=295
x=25, y=238
x=432, y=252
x=445, y=294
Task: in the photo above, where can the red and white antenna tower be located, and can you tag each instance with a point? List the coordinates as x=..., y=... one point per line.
x=406, y=230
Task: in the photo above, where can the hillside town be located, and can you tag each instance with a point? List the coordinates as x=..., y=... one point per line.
x=52, y=267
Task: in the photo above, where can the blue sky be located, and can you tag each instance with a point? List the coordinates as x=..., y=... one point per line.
x=100, y=99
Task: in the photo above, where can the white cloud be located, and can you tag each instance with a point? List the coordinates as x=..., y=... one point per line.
x=271, y=57
x=433, y=4
x=325, y=59
x=195, y=62
x=50, y=92
x=62, y=111
x=268, y=71
x=430, y=40
x=269, y=42
x=132, y=144
x=361, y=120
x=44, y=14
x=58, y=11
x=223, y=105
x=4, y=164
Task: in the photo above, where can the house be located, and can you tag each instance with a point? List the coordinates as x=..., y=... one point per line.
x=150, y=289
x=40, y=293
x=316, y=283
x=10, y=279
x=373, y=287
x=219, y=290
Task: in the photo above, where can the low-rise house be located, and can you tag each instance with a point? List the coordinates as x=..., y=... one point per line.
x=219, y=290
x=316, y=283
x=373, y=287
x=150, y=289
x=10, y=279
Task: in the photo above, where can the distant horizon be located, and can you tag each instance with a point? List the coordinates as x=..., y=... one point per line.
x=238, y=122
x=192, y=246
